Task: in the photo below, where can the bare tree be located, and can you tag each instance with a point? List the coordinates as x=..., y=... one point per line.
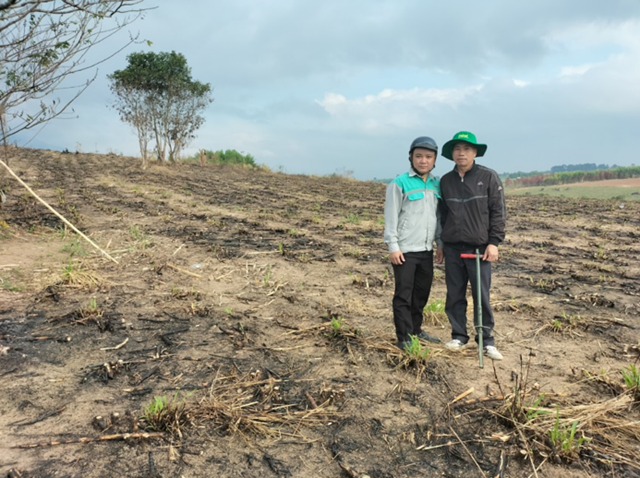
x=42, y=42
x=184, y=116
x=132, y=107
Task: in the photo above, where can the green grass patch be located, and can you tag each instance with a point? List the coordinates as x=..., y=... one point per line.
x=631, y=376
x=166, y=414
x=434, y=314
x=352, y=218
x=416, y=351
x=75, y=248
x=337, y=326
x=7, y=284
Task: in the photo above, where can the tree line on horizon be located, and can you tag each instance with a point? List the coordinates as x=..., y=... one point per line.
x=563, y=174
x=560, y=169
x=570, y=176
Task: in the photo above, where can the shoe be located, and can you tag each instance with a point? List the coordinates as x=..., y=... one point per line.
x=404, y=344
x=492, y=352
x=425, y=336
x=454, y=344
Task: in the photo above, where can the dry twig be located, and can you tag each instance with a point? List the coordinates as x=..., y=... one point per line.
x=118, y=436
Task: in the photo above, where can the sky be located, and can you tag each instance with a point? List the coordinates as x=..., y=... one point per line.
x=338, y=86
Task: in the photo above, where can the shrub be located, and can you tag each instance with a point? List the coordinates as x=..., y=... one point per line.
x=230, y=156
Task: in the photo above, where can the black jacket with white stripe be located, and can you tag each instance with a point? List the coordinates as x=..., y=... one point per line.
x=473, y=208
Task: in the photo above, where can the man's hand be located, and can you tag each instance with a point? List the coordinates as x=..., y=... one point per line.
x=490, y=253
x=439, y=255
x=396, y=258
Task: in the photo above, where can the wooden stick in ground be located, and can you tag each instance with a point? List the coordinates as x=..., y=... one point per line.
x=119, y=346
x=176, y=268
x=312, y=402
x=482, y=473
x=461, y=396
x=119, y=436
x=528, y=450
x=500, y=468
x=75, y=229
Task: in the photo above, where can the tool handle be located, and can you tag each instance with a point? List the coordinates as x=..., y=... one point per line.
x=467, y=256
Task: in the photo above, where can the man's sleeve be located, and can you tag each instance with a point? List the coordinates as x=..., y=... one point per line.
x=392, y=207
x=444, y=210
x=439, y=224
x=497, y=211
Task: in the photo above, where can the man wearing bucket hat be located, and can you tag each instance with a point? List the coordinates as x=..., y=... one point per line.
x=411, y=227
x=473, y=217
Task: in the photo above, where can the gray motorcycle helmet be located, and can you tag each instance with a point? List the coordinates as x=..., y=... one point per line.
x=423, y=142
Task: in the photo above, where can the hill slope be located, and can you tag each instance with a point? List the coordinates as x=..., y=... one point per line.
x=259, y=304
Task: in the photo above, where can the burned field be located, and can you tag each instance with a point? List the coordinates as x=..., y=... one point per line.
x=246, y=330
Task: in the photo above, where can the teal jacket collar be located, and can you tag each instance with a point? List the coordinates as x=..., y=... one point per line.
x=432, y=183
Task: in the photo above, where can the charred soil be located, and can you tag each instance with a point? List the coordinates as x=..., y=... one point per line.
x=246, y=330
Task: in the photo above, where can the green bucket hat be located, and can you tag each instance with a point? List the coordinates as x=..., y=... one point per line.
x=467, y=137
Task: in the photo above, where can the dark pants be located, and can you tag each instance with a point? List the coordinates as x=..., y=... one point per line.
x=458, y=273
x=413, y=284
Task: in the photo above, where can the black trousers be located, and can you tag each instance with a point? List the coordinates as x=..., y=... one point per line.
x=413, y=285
x=458, y=273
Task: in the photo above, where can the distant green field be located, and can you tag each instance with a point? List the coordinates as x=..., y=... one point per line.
x=596, y=192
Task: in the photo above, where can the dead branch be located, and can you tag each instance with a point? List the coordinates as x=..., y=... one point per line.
x=461, y=396
x=474, y=401
x=165, y=336
x=7, y=4
x=176, y=268
x=118, y=436
x=119, y=346
x=62, y=218
x=312, y=402
x=41, y=418
x=62, y=33
x=351, y=473
x=468, y=452
x=501, y=466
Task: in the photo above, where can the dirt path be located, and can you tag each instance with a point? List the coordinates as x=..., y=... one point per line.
x=258, y=304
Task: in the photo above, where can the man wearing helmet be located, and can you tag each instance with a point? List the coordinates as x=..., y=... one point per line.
x=473, y=216
x=411, y=226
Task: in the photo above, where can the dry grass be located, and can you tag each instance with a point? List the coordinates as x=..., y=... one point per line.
x=575, y=324
x=76, y=274
x=256, y=403
x=605, y=431
x=166, y=415
x=434, y=314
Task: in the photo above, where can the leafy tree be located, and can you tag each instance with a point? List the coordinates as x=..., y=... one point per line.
x=157, y=96
x=42, y=42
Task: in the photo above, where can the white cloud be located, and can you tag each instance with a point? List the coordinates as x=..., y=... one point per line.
x=596, y=33
x=313, y=99
x=393, y=108
x=568, y=71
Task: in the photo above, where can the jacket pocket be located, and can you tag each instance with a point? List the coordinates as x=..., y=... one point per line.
x=411, y=211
